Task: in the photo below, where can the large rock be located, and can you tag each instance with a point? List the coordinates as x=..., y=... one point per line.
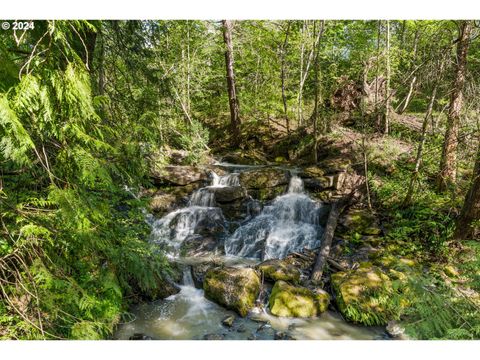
x=200, y=270
x=319, y=179
x=295, y=301
x=164, y=288
x=265, y=183
x=162, y=203
x=275, y=270
x=228, y=194
x=178, y=175
x=197, y=245
x=360, y=221
x=365, y=295
x=251, y=157
x=234, y=288
x=264, y=178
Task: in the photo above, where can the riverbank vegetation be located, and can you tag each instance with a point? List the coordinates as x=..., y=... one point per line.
x=90, y=111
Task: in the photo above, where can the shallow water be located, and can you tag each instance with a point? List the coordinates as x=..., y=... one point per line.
x=189, y=316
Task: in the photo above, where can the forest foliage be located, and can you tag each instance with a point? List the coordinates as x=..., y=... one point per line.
x=83, y=105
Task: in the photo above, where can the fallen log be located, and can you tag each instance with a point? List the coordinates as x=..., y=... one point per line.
x=326, y=244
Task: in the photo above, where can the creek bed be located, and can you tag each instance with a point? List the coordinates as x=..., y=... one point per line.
x=288, y=223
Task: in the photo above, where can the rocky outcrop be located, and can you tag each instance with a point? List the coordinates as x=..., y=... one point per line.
x=180, y=175
x=265, y=183
x=275, y=270
x=162, y=203
x=365, y=295
x=234, y=288
x=245, y=158
x=228, y=194
x=296, y=301
x=319, y=179
x=197, y=245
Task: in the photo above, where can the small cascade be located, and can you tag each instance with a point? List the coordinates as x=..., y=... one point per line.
x=199, y=217
x=187, y=276
x=289, y=224
x=202, y=197
x=296, y=185
x=231, y=179
x=176, y=226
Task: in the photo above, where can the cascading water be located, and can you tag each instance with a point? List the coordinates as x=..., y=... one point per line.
x=201, y=214
x=226, y=180
x=289, y=224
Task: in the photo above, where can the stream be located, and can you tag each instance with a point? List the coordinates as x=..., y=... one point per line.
x=288, y=223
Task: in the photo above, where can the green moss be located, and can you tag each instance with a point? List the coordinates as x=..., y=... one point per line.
x=276, y=270
x=268, y=193
x=361, y=222
x=295, y=301
x=451, y=271
x=235, y=288
x=365, y=296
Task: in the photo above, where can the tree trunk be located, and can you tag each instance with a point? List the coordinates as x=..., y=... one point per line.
x=448, y=172
x=327, y=238
x=304, y=71
x=465, y=227
x=409, y=96
x=317, y=91
x=232, y=94
x=326, y=244
x=408, y=197
x=386, y=122
x=283, y=73
x=377, y=73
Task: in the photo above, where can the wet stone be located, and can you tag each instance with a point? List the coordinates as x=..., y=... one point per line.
x=214, y=337
x=281, y=335
x=241, y=328
x=228, y=321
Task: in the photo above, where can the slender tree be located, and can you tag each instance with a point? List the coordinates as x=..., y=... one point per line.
x=465, y=227
x=317, y=94
x=448, y=163
x=232, y=92
x=283, y=52
x=386, y=120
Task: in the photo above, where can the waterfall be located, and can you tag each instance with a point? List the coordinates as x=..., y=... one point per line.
x=187, y=276
x=226, y=180
x=206, y=197
x=199, y=216
x=176, y=226
x=202, y=197
x=289, y=224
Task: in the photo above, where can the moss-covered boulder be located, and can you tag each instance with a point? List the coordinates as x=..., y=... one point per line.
x=360, y=221
x=234, y=288
x=365, y=296
x=162, y=203
x=228, y=194
x=333, y=165
x=275, y=270
x=296, y=301
x=265, y=183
